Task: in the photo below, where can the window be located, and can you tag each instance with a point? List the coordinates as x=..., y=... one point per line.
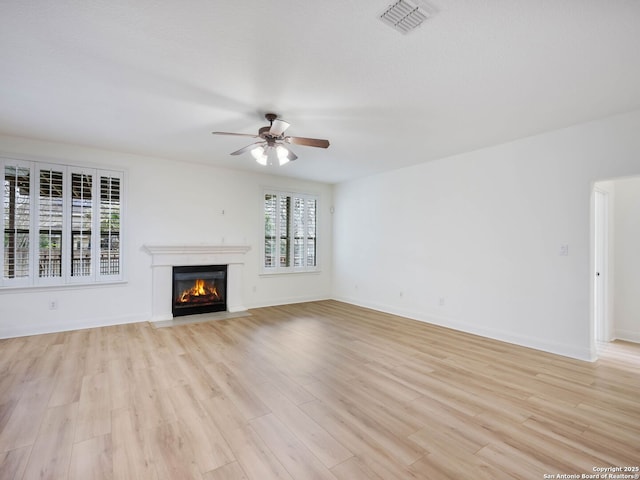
x=290, y=243
x=61, y=224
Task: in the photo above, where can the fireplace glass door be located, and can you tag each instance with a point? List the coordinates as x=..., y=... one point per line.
x=199, y=289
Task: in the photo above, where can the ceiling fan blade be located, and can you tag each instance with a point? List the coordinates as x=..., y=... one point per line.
x=278, y=127
x=247, y=148
x=309, y=142
x=236, y=134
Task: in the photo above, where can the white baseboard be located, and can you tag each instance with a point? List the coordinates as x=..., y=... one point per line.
x=290, y=300
x=38, y=327
x=565, y=350
x=22, y=330
x=539, y=344
x=628, y=335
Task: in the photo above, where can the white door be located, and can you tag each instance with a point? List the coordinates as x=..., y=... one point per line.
x=601, y=333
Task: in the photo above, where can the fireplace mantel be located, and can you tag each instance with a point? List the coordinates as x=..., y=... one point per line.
x=165, y=257
x=193, y=254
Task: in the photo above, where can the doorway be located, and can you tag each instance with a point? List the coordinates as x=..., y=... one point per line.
x=615, y=263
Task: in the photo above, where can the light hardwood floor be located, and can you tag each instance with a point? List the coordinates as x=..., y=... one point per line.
x=321, y=390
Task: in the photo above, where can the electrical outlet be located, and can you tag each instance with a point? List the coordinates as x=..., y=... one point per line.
x=441, y=301
x=564, y=250
x=53, y=304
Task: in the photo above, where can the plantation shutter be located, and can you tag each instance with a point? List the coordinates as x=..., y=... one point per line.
x=284, y=214
x=110, y=214
x=81, y=224
x=50, y=222
x=298, y=232
x=270, y=221
x=16, y=222
x=311, y=232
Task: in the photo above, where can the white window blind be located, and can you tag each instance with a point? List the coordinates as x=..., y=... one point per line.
x=110, y=197
x=50, y=217
x=16, y=221
x=290, y=243
x=61, y=224
x=81, y=224
x=270, y=230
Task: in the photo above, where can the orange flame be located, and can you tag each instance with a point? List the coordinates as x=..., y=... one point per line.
x=200, y=289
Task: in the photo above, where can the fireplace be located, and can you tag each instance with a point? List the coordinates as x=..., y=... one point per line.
x=165, y=257
x=199, y=289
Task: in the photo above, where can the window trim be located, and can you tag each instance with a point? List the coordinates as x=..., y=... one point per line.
x=33, y=280
x=277, y=269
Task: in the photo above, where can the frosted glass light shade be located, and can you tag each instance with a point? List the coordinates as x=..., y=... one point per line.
x=283, y=154
x=260, y=156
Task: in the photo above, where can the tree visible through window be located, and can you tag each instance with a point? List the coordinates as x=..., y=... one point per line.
x=61, y=224
x=290, y=232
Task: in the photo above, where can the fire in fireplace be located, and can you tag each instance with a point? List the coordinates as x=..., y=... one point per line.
x=199, y=289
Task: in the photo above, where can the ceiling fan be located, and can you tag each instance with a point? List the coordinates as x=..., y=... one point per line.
x=272, y=138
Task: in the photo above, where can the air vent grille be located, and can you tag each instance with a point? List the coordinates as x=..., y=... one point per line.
x=403, y=16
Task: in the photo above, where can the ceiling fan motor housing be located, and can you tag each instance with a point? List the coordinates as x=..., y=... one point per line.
x=264, y=131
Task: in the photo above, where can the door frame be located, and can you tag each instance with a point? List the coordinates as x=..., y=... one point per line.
x=600, y=330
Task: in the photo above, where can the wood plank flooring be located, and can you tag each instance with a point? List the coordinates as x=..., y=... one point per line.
x=321, y=390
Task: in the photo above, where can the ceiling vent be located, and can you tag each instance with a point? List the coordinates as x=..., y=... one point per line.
x=403, y=16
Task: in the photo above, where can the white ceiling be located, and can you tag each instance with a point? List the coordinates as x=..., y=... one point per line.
x=155, y=77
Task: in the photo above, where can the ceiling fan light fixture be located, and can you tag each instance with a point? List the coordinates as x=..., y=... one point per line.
x=271, y=142
x=283, y=154
x=260, y=155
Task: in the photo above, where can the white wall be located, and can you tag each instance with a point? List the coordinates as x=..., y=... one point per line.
x=627, y=259
x=483, y=231
x=168, y=203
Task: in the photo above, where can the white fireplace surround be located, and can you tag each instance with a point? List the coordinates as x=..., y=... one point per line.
x=165, y=257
